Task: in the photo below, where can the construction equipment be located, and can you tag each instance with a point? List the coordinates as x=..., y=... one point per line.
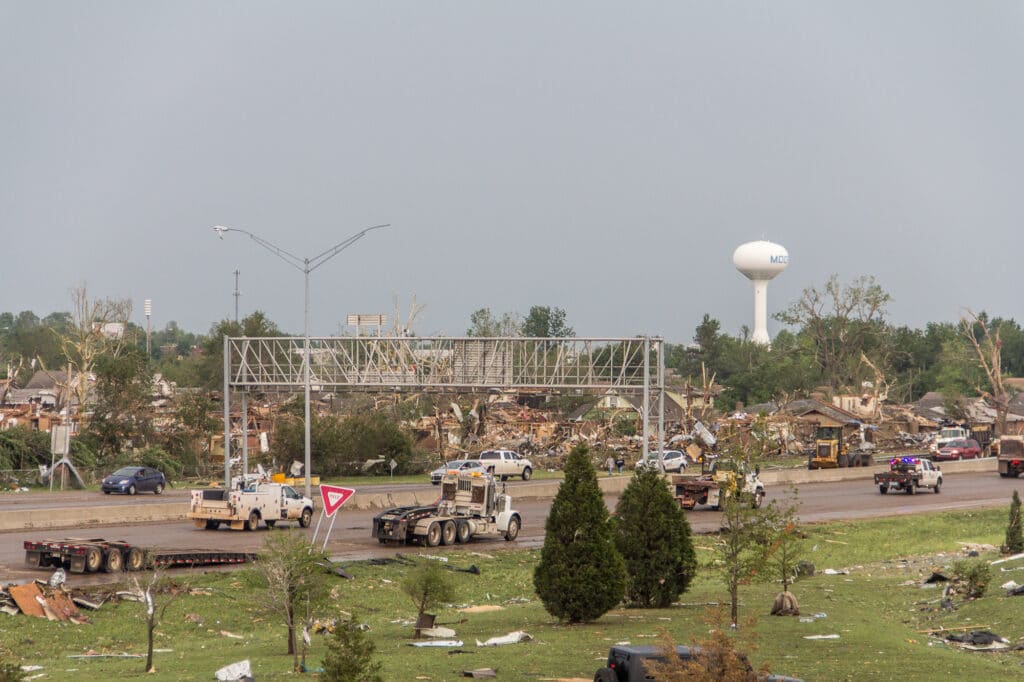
x=470, y=505
x=716, y=482
x=831, y=452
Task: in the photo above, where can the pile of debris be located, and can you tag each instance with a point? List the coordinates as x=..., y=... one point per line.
x=44, y=600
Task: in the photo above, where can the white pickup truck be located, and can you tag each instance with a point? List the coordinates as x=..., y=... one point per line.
x=909, y=474
x=245, y=508
x=505, y=463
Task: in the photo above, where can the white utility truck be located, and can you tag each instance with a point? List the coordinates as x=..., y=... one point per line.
x=245, y=508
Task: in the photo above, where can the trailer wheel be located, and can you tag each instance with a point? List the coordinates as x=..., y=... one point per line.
x=271, y=523
x=434, y=534
x=93, y=559
x=115, y=562
x=448, y=533
x=883, y=489
x=136, y=559
x=463, y=532
x=306, y=518
x=513, y=529
x=212, y=525
x=254, y=520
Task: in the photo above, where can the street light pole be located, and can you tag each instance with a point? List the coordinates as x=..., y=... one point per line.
x=306, y=266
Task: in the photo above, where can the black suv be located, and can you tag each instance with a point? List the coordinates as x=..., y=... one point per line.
x=626, y=664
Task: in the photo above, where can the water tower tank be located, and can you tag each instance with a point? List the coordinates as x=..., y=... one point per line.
x=760, y=262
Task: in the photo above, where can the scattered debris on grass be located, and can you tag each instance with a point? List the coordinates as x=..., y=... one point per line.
x=242, y=670
x=481, y=673
x=821, y=637
x=979, y=640
x=510, y=638
x=438, y=643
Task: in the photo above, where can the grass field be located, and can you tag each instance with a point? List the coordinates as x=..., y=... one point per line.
x=876, y=614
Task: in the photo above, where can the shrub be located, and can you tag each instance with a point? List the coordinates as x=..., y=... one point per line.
x=975, y=575
x=1014, y=537
x=350, y=656
x=428, y=586
x=581, y=574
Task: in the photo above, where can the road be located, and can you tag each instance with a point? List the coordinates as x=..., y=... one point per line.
x=351, y=537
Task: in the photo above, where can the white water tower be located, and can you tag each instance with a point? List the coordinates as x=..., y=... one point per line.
x=760, y=262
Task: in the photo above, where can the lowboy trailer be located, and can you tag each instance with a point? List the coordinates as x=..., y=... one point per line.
x=111, y=556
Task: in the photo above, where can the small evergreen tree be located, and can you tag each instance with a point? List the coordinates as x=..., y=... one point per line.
x=580, y=575
x=350, y=656
x=428, y=586
x=1014, y=537
x=653, y=537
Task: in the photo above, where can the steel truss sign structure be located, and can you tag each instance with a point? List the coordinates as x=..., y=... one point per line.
x=452, y=364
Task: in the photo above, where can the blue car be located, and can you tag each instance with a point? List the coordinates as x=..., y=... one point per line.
x=131, y=480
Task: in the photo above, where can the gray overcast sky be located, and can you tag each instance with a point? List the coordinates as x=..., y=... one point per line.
x=603, y=157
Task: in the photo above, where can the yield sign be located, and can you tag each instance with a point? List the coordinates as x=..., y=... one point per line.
x=334, y=496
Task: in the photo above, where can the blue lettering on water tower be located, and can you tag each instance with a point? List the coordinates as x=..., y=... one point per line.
x=780, y=258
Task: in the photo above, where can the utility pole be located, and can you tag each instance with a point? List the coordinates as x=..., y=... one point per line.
x=237, y=294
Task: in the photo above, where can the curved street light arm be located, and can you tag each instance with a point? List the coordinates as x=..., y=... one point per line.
x=315, y=262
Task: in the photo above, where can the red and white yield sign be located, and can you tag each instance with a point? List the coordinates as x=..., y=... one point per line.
x=334, y=496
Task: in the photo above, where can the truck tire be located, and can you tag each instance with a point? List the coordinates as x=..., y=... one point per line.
x=448, y=533
x=433, y=537
x=911, y=488
x=883, y=488
x=938, y=486
x=758, y=499
x=605, y=675
x=843, y=461
x=463, y=532
x=271, y=523
x=253, y=522
x=93, y=559
x=513, y=529
x=114, y=562
x=527, y=474
x=306, y=518
x=136, y=559
x=212, y=525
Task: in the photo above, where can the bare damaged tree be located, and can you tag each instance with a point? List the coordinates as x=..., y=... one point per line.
x=15, y=365
x=148, y=592
x=840, y=319
x=989, y=352
x=87, y=336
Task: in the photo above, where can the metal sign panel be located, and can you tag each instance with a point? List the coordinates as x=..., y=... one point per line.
x=333, y=497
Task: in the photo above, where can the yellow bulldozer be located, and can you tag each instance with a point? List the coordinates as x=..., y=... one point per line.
x=831, y=451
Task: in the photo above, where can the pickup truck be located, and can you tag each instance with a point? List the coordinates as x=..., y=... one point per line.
x=245, y=508
x=505, y=463
x=908, y=474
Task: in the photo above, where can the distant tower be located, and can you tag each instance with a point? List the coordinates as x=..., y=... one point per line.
x=760, y=262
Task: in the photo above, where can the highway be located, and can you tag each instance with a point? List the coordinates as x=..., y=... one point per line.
x=351, y=537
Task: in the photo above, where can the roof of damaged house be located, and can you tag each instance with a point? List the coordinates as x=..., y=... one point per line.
x=808, y=407
x=44, y=378
x=932, y=405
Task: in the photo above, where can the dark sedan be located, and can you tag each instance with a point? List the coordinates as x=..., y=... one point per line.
x=961, y=448
x=131, y=480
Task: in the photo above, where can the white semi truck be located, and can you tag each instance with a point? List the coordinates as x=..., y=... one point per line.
x=470, y=505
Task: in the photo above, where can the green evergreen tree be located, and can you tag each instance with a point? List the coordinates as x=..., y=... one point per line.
x=580, y=575
x=1014, y=537
x=350, y=656
x=653, y=537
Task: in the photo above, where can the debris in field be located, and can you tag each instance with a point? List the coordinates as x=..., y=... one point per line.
x=194, y=618
x=979, y=640
x=236, y=671
x=1005, y=559
x=936, y=577
x=1015, y=591
x=821, y=637
x=483, y=608
x=804, y=569
x=93, y=654
x=58, y=578
x=785, y=605
x=438, y=632
x=438, y=642
x=510, y=638
x=90, y=604
x=434, y=557
x=472, y=569
x=231, y=635
x=481, y=673
x=832, y=571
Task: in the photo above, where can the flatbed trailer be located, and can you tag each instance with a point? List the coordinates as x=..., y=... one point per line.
x=92, y=555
